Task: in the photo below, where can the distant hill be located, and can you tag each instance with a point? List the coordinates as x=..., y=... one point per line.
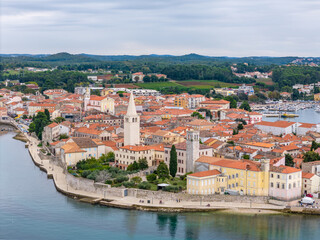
x=67, y=58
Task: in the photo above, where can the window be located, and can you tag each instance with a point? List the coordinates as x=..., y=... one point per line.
x=271, y=185
x=289, y=176
x=282, y=185
x=237, y=175
x=271, y=175
x=289, y=185
x=278, y=176
x=278, y=185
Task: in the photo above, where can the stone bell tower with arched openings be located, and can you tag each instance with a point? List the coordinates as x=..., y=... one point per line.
x=131, y=124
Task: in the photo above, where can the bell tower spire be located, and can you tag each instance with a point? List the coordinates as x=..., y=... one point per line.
x=131, y=124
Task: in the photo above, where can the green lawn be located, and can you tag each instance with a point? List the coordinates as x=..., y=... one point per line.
x=205, y=84
x=267, y=81
x=196, y=84
x=158, y=85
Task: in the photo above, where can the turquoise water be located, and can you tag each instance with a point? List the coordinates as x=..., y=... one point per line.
x=305, y=116
x=31, y=208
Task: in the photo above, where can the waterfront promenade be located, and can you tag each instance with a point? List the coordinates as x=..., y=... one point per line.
x=60, y=178
x=58, y=174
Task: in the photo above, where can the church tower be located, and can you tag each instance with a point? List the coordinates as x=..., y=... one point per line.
x=192, y=149
x=131, y=124
x=86, y=98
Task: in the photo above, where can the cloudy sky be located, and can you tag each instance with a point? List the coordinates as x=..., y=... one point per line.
x=207, y=27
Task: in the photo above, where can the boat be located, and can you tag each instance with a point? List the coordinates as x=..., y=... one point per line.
x=286, y=115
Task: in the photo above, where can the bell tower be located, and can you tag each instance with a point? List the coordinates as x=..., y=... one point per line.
x=192, y=149
x=131, y=124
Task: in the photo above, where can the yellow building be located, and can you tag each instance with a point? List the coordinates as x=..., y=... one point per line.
x=317, y=97
x=181, y=101
x=206, y=182
x=243, y=176
x=224, y=91
x=106, y=91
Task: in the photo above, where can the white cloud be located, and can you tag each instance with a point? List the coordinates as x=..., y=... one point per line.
x=209, y=27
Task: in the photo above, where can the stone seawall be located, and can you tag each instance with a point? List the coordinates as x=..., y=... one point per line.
x=88, y=185
x=160, y=195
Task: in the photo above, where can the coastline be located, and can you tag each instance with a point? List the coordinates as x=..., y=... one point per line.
x=59, y=177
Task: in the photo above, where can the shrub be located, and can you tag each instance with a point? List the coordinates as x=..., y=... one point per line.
x=93, y=175
x=144, y=185
x=121, y=179
x=108, y=182
x=136, y=180
x=172, y=189
x=151, y=177
x=175, y=183
x=118, y=185
x=86, y=173
x=128, y=184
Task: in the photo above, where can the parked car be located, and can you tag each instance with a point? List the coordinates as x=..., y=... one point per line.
x=307, y=200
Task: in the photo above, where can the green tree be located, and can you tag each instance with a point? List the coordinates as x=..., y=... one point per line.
x=47, y=113
x=38, y=124
x=63, y=136
x=110, y=157
x=240, y=126
x=311, y=156
x=143, y=163
x=246, y=156
x=173, y=161
x=314, y=146
x=289, y=160
x=233, y=102
x=198, y=115
x=245, y=105
x=162, y=170
x=59, y=119
x=133, y=166
x=151, y=177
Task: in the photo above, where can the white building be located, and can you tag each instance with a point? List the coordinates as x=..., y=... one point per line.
x=278, y=127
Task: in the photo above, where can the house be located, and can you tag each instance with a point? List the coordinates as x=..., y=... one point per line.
x=137, y=77
x=310, y=183
x=128, y=154
x=317, y=97
x=311, y=167
x=54, y=93
x=206, y=182
x=222, y=104
x=303, y=128
x=101, y=104
x=254, y=117
x=33, y=108
x=77, y=149
x=51, y=133
x=285, y=183
x=200, y=124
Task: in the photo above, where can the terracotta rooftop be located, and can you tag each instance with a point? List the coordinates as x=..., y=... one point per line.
x=205, y=173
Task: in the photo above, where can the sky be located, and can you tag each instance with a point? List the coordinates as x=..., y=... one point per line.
x=234, y=28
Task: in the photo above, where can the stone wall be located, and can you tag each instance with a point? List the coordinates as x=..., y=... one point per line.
x=90, y=186
x=165, y=196
x=105, y=190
